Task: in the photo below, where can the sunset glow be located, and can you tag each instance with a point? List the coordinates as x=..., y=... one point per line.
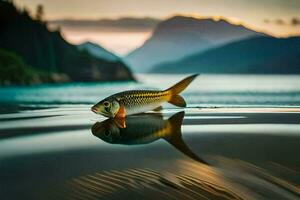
x=257, y=15
x=118, y=42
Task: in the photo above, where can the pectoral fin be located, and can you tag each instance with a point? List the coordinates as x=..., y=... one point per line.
x=120, y=122
x=120, y=117
x=121, y=113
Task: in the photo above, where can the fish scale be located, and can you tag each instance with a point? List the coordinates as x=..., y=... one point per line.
x=139, y=101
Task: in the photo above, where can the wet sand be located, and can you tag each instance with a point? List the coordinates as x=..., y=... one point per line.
x=203, y=153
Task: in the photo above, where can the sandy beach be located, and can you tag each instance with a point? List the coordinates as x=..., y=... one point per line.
x=219, y=153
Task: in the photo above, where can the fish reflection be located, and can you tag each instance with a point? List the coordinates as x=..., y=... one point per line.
x=144, y=129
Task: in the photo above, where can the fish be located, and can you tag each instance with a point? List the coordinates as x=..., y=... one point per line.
x=144, y=129
x=133, y=102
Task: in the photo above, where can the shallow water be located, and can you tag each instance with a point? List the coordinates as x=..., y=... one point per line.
x=205, y=91
x=53, y=147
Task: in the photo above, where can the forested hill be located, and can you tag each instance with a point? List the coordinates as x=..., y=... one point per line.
x=47, y=51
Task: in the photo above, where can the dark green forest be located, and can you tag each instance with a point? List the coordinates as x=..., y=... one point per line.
x=39, y=55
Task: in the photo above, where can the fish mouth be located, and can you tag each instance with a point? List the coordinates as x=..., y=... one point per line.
x=95, y=110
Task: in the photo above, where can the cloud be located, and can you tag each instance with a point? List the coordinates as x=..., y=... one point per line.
x=121, y=24
x=280, y=22
x=294, y=21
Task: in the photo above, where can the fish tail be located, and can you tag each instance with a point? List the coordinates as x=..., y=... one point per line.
x=176, y=122
x=174, y=97
x=175, y=138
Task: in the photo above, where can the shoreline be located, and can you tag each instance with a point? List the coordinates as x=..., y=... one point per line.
x=72, y=118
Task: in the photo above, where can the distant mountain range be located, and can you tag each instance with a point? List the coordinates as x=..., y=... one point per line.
x=98, y=51
x=181, y=36
x=259, y=55
x=47, y=51
x=121, y=24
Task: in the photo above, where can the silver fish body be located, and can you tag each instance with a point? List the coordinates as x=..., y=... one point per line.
x=138, y=101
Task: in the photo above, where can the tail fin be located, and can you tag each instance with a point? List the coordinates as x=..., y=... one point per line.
x=175, y=138
x=174, y=91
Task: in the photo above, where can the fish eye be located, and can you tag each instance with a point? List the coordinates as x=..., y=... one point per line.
x=106, y=104
x=107, y=133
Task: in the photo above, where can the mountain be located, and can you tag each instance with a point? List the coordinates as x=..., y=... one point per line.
x=98, y=51
x=48, y=52
x=259, y=55
x=180, y=36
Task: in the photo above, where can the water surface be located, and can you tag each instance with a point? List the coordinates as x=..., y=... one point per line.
x=234, y=141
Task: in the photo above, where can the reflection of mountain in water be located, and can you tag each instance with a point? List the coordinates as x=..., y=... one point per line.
x=144, y=129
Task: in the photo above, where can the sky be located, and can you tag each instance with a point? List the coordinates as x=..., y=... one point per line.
x=272, y=16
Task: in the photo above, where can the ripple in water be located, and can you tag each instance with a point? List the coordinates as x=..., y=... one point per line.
x=190, y=180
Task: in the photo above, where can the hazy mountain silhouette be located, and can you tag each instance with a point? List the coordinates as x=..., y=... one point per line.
x=180, y=36
x=262, y=55
x=98, y=51
x=48, y=51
